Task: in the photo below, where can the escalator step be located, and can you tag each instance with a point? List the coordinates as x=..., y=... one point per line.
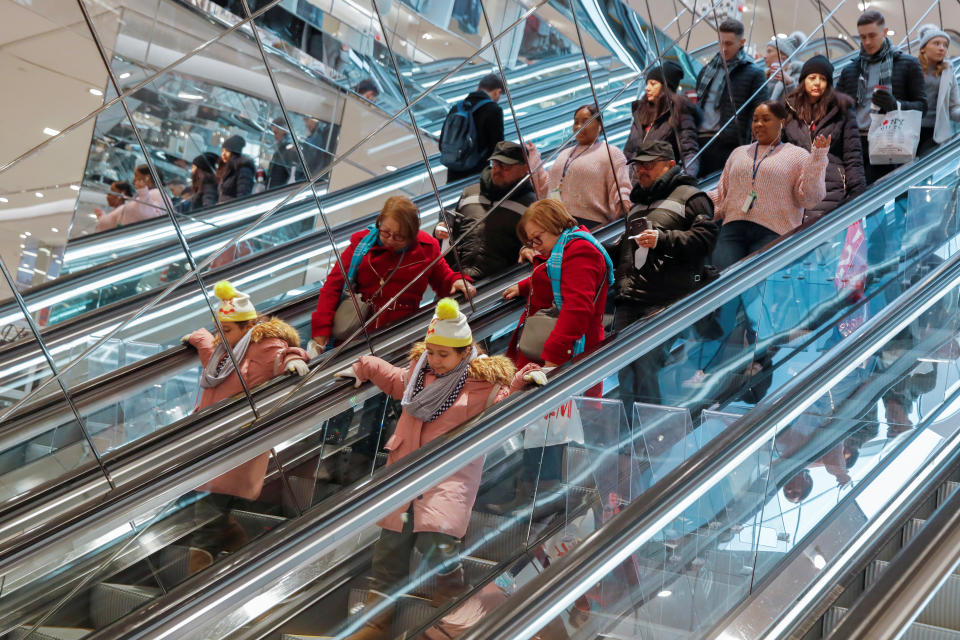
x=941, y=610
x=49, y=633
x=179, y=562
x=109, y=601
x=256, y=524
x=911, y=529
x=916, y=631
x=411, y=612
x=945, y=491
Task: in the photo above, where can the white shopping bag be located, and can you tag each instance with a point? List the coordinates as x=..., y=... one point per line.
x=560, y=426
x=893, y=136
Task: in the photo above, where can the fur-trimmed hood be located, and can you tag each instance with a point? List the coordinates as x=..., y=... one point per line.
x=275, y=328
x=492, y=369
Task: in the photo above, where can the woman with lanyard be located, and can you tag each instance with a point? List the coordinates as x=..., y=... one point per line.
x=383, y=259
x=591, y=178
x=765, y=187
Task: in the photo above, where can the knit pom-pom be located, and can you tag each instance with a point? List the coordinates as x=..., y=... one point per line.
x=448, y=309
x=224, y=290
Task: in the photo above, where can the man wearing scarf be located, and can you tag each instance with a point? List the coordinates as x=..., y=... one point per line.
x=731, y=80
x=879, y=78
x=486, y=216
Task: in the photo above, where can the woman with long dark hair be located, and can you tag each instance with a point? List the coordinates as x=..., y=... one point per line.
x=815, y=108
x=203, y=176
x=237, y=172
x=664, y=115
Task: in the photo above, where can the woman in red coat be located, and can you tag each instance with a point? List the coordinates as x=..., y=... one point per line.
x=574, y=273
x=380, y=266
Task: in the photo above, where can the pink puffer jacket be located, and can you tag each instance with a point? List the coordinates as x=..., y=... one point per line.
x=446, y=507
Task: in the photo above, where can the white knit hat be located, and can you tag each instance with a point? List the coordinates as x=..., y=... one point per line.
x=449, y=327
x=234, y=306
x=930, y=31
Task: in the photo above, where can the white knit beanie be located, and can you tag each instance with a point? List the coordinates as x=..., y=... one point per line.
x=930, y=31
x=449, y=327
x=234, y=306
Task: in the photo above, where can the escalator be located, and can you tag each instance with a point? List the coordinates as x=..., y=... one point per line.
x=799, y=270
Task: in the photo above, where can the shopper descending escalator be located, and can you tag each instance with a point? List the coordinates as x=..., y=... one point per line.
x=264, y=348
x=881, y=79
x=203, y=177
x=661, y=256
x=940, y=83
x=448, y=382
x=120, y=192
x=785, y=74
x=591, y=178
x=147, y=203
x=285, y=164
x=664, y=115
x=731, y=85
x=472, y=129
x=815, y=108
x=237, y=172
x=486, y=216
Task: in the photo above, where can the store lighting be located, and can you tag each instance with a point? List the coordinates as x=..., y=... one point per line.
x=666, y=593
x=781, y=35
x=96, y=92
x=75, y=187
x=390, y=167
x=2, y=199
x=54, y=229
x=27, y=234
x=124, y=75
x=427, y=36
x=189, y=96
x=50, y=132
x=891, y=32
x=38, y=194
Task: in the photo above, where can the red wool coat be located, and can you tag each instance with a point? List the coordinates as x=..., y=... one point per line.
x=446, y=507
x=583, y=272
x=377, y=264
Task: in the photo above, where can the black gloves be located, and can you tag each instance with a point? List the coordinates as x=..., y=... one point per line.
x=884, y=99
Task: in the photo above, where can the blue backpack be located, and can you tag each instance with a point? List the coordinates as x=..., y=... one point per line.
x=458, y=138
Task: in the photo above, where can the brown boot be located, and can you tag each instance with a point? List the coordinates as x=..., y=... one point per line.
x=447, y=586
x=377, y=627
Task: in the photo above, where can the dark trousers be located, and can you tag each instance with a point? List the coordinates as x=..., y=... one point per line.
x=638, y=381
x=713, y=159
x=439, y=553
x=926, y=144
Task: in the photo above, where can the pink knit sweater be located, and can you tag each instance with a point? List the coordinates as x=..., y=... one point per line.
x=590, y=190
x=790, y=180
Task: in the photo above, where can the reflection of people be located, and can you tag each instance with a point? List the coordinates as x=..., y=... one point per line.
x=487, y=235
x=237, y=172
x=480, y=105
x=284, y=165
x=203, y=174
x=148, y=203
x=368, y=89
x=380, y=261
x=447, y=382
x=315, y=153
x=591, y=179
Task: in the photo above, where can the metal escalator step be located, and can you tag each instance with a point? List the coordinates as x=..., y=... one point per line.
x=493, y=537
x=175, y=560
x=256, y=524
x=916, y=631
x=941, y=610
x=411, y=612
x=911, y=529
x=945, y=491
x=49, y=633
x=110, y=601
x=872, y=572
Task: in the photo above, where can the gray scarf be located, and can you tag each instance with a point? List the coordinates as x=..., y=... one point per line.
x=428, y=402
x=220, y=366
x=713, y=72
x=885, y=59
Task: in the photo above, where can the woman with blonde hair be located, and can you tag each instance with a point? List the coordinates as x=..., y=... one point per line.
x=940, y=84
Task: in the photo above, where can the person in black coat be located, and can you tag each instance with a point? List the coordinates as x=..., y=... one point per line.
x=284, y=165
x=816, y=109
x=665, y=115
x=670, y=233
x=489, y=121
x=237, y=172
x=881, y=76
x=720, y=101
x=203, y=175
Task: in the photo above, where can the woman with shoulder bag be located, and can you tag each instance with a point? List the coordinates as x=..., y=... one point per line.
x=815, y=108
x=381, y=260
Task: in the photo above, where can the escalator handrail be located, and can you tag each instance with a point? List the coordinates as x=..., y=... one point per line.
x=536, y=603
x=893, y=602
x=329, y=523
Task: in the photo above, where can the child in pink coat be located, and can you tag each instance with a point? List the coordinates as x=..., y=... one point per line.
x=447, y=383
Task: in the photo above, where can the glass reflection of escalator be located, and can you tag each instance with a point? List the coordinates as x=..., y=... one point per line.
x=798, y=336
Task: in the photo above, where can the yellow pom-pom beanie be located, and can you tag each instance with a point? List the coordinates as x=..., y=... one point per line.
x=449, y=327
x=234, y=306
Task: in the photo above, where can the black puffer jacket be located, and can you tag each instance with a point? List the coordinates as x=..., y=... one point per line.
x=907, y=81
x=687, y=129
x=844, y=177
x=745, y=78
x=238, y=178
x=205, y=196
x=675, y=266
x=283, y=163
x=491, y=244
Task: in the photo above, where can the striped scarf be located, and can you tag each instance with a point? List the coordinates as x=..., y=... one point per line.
x=884, y=58
x=555, y=261
x=714, y=71
x=366, y=243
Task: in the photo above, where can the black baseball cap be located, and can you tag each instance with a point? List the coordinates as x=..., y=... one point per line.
x=653, y=151
x=508, y=153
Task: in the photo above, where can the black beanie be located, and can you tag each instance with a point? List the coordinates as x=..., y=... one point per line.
x=818, y=64
x=234, y=144
x=207, y=162
x=669, y=73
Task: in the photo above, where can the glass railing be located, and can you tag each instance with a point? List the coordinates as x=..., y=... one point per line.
x=794, y=325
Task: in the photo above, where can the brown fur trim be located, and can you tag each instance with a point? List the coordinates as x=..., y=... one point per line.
x=492, y=369
x=275, y=328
